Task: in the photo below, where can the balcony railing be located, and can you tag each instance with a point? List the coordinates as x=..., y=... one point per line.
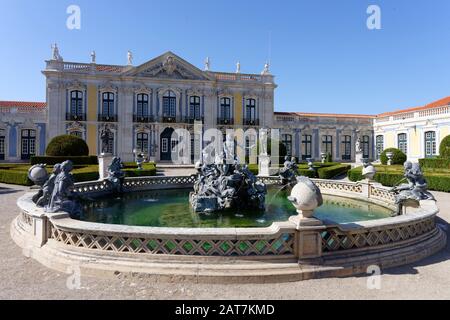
x=75, y=117
x=191, y=120
x=143, y=119
x=226, y=121
x=169, y=119
x=107, y=118
x=251, y=122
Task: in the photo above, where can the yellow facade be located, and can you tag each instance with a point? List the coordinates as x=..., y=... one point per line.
x=237, y=109
x=414, y=142
x=91, y=135
x=443, y=132
x=389, y=140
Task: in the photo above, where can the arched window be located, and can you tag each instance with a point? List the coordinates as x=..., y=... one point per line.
x=286, y=139
x=28, y=143
x=169, y=105
x=225, y=111
x=327, y=144
x=346, y=147
x=365, y=146
x=379, y=145
x=194, y=108
x=142, y=142
x=430, y=144
x=142, y=105
x=107, y=107
x=307, y=146
x=250, y=112
x=2, y=144
x=402, y=143
x=76, y=106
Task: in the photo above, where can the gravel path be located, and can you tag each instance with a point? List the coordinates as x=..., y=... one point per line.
x=24, y=278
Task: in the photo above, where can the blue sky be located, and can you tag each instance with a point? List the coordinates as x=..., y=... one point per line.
x=322, y=54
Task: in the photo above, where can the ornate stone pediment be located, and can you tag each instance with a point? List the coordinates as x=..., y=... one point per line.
x=168, y=66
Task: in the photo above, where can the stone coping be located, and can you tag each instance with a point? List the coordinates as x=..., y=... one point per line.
x=62, y=220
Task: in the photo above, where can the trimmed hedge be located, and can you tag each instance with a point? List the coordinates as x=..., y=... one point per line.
x=15, y=177
x=436, y=182
x=398, y=158
x=444, y=148
x=333, y=171
x=435, y=163
x=67, y=145
x=51, y=160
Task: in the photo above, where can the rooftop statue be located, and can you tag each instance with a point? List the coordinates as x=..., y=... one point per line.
x=63, y=198
x=288, y=174
x=410, y=194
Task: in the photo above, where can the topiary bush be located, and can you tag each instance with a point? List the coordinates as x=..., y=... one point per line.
x=67, y=145
x=444, y=148
x=398, y=158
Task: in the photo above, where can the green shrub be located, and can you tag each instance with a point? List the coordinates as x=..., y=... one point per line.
x=329, y=157
x=435, y=163
x=307, y=173
x=67, y=145
x=444, y=148
x=77, y=160
x=330, y=172
x=398, y=158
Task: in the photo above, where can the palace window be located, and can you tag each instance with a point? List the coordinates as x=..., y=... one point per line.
x=78, y=134
x=327, y=144
x=430, y=144
x=2, y=144
x=379, y=145
x=108, y=104
x=307, y=146
x=142, y=105
x=346, y=147
x=225, y=108
x=76, y=103
x=169, y=104
x=142, y=142
x=286, y=139
x=28, y=143
x=365, y=146
x=402, y=143
x=250, y=109
x=194, y=108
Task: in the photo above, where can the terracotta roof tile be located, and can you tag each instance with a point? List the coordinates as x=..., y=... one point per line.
x=438, y=103
x=22, y=104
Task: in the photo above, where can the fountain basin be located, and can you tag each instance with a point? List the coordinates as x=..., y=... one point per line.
x=279, y=252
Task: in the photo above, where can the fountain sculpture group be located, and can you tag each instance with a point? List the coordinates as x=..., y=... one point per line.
x=409, y=195
x=225, y=184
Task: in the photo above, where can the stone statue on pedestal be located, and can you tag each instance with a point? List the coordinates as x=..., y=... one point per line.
x=105, y=136
x=409, y=195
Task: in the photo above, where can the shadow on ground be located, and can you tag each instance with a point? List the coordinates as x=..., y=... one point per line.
x=7, y=190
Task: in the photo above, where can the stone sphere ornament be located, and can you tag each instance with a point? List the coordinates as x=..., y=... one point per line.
x=305, y=196
x=38, y=174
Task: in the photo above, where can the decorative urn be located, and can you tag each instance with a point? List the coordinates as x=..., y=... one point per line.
x=390, y=156
x=305, y=197
x=38, y=174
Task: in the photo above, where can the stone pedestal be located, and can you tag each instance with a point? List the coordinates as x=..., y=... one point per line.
x=308, y=237
x=264, y=166
x=104, y=160
x=359, y=158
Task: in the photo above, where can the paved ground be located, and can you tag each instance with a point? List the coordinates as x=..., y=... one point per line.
x=24, y=278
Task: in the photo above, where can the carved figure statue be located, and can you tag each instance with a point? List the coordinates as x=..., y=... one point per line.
x=105, y=136
x=238, y=67
x=55, y=53
x=49, y=185
x=266, y=69
x=263, y=141
x=115, y=173
x=358, y=145
x=288, y=174
x=63, y=198
x=93, y=57
x=207, y=64
x=130, y=58
x=225, y=184
x=417, y=189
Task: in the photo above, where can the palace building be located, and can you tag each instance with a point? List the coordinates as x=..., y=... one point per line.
x=143, y=105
